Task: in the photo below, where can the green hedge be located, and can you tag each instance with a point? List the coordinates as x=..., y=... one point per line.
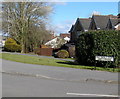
x=12, y=46
x=98, y=43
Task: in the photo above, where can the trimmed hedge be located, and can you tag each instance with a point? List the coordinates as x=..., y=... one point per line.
x=12, y=46
x=62, y=54
x=98, y=43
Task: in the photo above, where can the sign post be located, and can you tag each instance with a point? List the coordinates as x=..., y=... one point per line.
x=103, y=58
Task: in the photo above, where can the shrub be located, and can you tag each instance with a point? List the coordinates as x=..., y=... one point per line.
x=63, y=54
x=70, y=48
x=12, y=46
x=98, y=43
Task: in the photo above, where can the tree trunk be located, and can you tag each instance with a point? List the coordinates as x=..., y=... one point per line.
x=23, y=49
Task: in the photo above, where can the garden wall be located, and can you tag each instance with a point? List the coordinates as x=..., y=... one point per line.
x=44, y=51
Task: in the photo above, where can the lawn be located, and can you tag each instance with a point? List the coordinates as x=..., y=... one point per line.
x=48, y=61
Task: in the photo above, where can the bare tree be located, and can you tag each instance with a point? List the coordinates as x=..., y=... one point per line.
x=25, y=22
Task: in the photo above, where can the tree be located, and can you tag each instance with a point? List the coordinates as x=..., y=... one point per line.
x=26, y=22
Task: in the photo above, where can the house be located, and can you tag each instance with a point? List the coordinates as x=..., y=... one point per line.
x=58, y=41
x=117, y=26
x=112, y=23
x=81, y=25
x=103, y=22
x=65, y=36
x=67, y=39
x=96, y=22
x=99, y=22
x=55, y=43
x=71, y=34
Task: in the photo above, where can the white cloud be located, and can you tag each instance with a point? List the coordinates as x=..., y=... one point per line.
x=63, y=27
x=60, y=3
x=95, y=13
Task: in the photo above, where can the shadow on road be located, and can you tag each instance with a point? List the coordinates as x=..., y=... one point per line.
x=68, y=62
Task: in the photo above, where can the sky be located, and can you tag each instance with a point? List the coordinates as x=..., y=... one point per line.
x=65, y=13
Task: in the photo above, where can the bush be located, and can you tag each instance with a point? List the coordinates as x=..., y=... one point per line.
x=98, y=43
x=70, y=48
x=12, y=46
x=63, y=54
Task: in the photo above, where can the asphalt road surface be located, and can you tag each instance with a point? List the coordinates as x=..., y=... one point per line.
x=28, y=80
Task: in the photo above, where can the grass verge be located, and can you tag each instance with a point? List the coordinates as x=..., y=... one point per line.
x=49, y=62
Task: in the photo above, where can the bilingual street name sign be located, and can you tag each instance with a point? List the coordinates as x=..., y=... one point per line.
x=104, y=58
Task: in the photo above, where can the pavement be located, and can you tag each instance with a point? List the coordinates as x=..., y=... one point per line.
x=30, y=80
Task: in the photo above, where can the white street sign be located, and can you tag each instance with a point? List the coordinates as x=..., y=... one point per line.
x=104, y=58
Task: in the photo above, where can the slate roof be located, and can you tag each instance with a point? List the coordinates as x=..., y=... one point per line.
x=114, y=22
x=85, y=22
x=101, y=21
x=72, y=28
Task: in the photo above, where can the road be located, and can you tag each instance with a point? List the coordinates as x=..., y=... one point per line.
x=28, y=80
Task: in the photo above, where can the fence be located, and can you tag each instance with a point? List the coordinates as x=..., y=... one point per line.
x=45, y=51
